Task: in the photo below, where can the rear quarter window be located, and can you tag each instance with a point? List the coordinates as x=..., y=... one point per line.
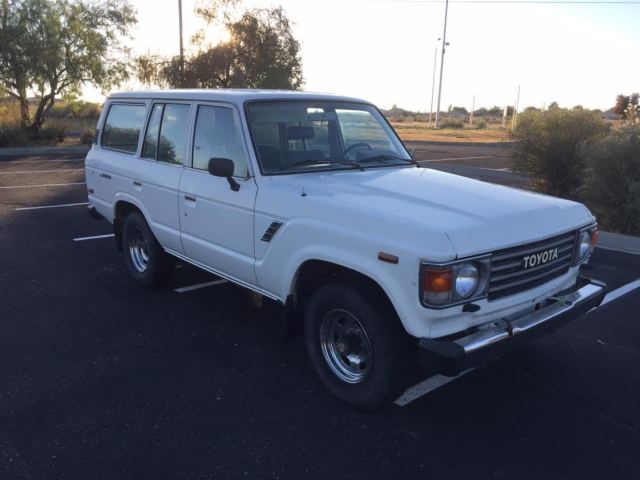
x=122, y=127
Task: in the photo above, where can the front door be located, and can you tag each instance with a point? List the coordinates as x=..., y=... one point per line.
x=217, y=222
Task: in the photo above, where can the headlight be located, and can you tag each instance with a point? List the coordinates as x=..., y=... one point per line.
x=466, y=280
x=454, y=283
x=586, y=241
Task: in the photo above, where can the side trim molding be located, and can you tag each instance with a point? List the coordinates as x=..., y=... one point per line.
x=225, y=276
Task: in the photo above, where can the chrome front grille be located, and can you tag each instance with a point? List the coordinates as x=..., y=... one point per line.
x=508, y=272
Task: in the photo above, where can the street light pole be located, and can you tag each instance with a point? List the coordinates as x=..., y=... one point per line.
x=444, y=43
x=433, y=82
x=181, y=44
x=514, y=118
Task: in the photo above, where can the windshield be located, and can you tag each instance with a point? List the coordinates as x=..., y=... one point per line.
x=304, y=136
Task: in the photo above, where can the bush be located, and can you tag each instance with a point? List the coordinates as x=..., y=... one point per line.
x=612, y=189
x=13, y=135
x=75, y=109
x=480, y=125
x=87, y=136
x=548, y=146
x=51, y=131
x=452, y=123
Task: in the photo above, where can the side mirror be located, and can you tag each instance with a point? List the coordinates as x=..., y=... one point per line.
x=223, y=167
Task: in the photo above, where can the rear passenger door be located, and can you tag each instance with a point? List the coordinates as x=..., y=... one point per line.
x=155, y=177
x=119, y=142
x=217, y=222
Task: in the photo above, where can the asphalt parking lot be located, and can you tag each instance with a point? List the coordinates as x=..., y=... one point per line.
x=100, y=378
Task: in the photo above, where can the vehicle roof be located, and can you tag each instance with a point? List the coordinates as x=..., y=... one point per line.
x=239, y=95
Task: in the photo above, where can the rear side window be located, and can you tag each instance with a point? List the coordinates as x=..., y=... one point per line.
x=122, y=127
x=165, y=139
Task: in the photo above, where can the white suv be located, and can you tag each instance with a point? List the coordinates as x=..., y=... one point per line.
x=313, y=201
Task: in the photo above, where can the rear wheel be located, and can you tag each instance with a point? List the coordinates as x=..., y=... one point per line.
x=356, y=345
x=144, y=258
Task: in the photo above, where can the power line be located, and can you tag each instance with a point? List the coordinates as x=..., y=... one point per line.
x=524, y=2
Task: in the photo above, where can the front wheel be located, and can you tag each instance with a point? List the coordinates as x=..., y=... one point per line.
x=356, y=345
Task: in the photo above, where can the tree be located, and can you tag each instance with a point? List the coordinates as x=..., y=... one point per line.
x=262, y=53
x=53, y=47
x=548, y=146
x=553, y=106
x=623, y=102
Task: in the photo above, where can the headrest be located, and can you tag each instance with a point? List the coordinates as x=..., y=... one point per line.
x=300, y=132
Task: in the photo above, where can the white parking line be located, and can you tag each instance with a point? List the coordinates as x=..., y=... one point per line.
x=199, y=285
x=95, y=237
x=437, y=381
x=43, y=160
x=619, y=292
x=426, y=386
x=44, y=171
x=53, y=206
x=43, y=185
x=617, y=249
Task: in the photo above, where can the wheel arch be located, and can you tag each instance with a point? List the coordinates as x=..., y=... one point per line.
x=121, y=208
x=313, y=273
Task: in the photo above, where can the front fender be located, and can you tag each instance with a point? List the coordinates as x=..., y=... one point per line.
x=301, y=240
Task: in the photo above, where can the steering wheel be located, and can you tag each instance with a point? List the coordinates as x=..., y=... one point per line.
x=355, y=145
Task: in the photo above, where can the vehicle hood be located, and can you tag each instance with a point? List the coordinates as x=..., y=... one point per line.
x=477, y=217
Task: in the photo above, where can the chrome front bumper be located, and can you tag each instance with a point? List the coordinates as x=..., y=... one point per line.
x=484, y=343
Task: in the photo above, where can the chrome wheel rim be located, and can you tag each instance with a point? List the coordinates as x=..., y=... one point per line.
x=345, y=346
x=139, y=251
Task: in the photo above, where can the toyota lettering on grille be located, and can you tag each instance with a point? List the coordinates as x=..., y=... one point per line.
x=540, y=258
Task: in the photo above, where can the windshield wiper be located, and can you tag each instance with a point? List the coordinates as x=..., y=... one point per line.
x=377, y=158
x=321, y=162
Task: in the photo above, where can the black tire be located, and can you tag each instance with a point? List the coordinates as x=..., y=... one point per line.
x=384, y=379
x=138, y=238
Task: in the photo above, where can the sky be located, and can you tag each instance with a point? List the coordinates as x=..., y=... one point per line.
x=383, y=50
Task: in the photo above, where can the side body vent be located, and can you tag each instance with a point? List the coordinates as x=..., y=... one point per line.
x=271, y=231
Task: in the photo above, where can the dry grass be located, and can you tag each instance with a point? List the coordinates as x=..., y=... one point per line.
x=421, y=131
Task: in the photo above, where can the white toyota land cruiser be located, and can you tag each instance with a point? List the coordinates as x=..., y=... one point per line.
x=313, y=201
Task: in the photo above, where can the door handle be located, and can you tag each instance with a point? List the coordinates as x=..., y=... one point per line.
x=191, y=198
x=105, y=175
x=137, y=183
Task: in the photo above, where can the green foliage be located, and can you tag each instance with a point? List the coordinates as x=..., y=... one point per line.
x=87, y=136
x=624, y=101
x=51, y=131
x=451, y=123
x=262, y=53
x=76, y=109
x=459, y=110
x=612, y=188
x=548, y=146
x=13, y=135
x=480, y=125
x=54, y=46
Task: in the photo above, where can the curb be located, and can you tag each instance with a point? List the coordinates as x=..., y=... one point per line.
x=619, y=243
x=33, y=151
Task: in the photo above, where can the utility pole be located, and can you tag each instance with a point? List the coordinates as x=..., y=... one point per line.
x=504, y=117
x=444, y=44
x=515, y=111
x=181, y=44
x=433, y=83
x=473, y=107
